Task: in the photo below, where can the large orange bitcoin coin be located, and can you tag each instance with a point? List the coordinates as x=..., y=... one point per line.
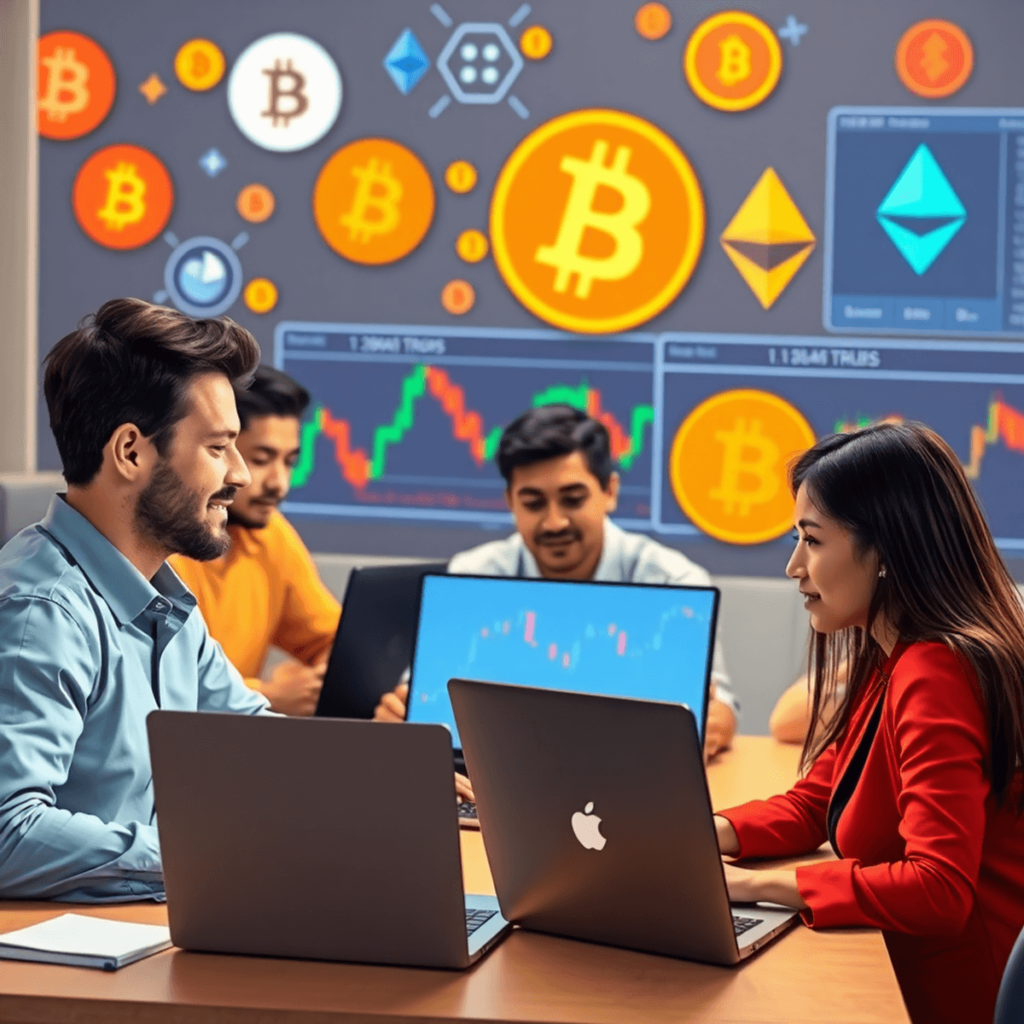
x=597, y=221
x=373, y=201
x=934, y=58
x=123, y=197
x=732, y=61
x=728, y=465
x=76, y=85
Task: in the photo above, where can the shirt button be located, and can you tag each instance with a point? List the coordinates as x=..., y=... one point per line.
x=160, y=606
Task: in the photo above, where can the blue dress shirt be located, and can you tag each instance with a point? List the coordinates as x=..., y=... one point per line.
x=88, y=647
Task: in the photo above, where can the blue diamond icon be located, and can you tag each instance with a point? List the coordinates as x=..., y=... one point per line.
x=921, y=212
x=212, y=162
x=406, y=62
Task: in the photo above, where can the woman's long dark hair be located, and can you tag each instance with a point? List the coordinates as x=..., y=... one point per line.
x=900, y=491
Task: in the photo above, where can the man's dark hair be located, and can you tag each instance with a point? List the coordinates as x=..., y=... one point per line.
x=132, y=362
x=550, y=431
x=271, y=393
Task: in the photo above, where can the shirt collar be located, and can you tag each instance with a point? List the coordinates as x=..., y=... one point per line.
x=111, y=575
x=609, y=565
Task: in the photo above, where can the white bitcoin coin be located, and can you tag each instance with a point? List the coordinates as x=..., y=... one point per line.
x=284, y=92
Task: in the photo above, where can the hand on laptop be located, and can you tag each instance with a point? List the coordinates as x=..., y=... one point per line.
x=721, y=725
x=391, y=707
x=294, y=688
x=771, y=886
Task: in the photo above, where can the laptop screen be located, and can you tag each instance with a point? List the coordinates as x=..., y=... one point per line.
x=618, y=639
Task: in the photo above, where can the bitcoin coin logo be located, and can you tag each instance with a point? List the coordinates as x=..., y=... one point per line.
x=76, y=85
x=652, y=21
x=373, y=201
x=255, y=203
x=260, y=295
x=458, y=297
x=284, y=92
x=122, y=197
x=597, y=221
x=460, y=176
x=732, y=61
x=536, y=42
x=934, y=58
x=729, y=461
x=472, y=246
x=199, y=64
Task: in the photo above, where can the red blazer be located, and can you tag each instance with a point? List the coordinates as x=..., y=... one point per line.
x=928, y=856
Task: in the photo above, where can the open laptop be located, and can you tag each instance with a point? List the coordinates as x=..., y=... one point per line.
x=597, y=822
x=624, y=639
x=373, y=645
x=279, y=838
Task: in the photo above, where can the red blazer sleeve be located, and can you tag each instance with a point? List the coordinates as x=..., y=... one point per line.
x=790, y=824
x=939, y=738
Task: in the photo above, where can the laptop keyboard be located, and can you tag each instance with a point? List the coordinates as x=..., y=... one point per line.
x=476, y=918
x=467, y=809
x=744, y=924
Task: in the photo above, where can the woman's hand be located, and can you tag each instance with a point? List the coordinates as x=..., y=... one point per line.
x=763, y=886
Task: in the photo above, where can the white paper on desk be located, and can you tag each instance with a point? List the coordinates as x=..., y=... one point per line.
x=78, y=939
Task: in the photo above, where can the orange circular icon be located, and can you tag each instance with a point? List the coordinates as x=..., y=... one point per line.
x=260, y=295
x=732, y=61
x=373, y=201
x=255, y=203
x=934, y=58
x=597, y=221
x=472, y=245
x=122, y=197
x=460, y=176
x=652, y=21
x=76, y=85
x=458, y=297
x=535, y=42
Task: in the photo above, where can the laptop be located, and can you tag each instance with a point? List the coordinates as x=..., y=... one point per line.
x=624, y=639
x=597, y=822
x=373, y=645
x=279, y=838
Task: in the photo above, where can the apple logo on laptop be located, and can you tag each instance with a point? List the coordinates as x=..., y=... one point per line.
x=587, y=828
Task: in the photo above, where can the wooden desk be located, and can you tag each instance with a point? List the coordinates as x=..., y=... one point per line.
x=802, y=977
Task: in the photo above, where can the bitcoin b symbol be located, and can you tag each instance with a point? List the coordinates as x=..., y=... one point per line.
x=737, y=468
x=380, y=191
x=734, y=66
x=299, y=102
x=199, y=64
x=565, y=255
x=66, y=91
x=255, y=203
x=933, y=61
x=124, y=203
x=934, y=58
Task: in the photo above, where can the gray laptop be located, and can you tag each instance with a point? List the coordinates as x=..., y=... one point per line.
x=597, y=821
x=280, y=838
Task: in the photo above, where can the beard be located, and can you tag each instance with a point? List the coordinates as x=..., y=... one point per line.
x=172, y=515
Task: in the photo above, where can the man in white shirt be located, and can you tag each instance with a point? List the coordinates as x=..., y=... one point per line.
x=561, y=487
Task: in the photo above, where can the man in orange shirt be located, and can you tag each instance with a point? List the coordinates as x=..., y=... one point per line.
x=265, y=590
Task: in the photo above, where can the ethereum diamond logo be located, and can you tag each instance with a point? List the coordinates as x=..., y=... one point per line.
x=406, y=62
x=921, y=213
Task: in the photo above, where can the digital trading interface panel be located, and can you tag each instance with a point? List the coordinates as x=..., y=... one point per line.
x=925, y=221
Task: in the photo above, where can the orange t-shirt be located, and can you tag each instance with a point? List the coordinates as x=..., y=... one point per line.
x=265, y=591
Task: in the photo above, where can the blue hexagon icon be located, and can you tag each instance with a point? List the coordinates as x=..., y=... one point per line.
x=406, y=62
x=479, y=63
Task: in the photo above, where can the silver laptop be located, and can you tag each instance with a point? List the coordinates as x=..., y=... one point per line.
x=279, y=838
x=597, y=822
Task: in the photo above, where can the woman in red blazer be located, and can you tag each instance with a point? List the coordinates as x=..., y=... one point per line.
x=915, y=779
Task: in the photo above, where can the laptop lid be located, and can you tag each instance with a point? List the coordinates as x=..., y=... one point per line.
x=279, y=837
x=621, y=639
x=597, y=821
x=373, y=645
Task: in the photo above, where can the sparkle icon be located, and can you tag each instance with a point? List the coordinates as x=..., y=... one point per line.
x=212, y=162
x=153, y=88
x=406, y=62
x=768, y=239
x=921, y=213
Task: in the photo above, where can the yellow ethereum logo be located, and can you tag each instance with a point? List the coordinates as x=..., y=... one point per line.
x=768, y=239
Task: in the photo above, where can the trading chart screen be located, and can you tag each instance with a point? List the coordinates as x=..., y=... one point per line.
x=653, y=643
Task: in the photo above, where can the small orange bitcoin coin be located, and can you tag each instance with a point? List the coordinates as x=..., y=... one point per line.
x=373, y=201
x=76, y=85
x=652, y=21
x=934, y=58
x=535, y=42
x=260, y=295
x=460, y=176
x=458, y=297
x=199, y=64
x=732, y=61
x=122, y=197
x=472, y=246
x=729, y=461
x=597, y=221
x=255, y=203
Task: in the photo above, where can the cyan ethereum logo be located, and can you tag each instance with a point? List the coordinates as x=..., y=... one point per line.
x=921, y=213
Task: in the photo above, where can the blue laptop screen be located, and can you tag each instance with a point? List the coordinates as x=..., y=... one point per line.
x=652, y=643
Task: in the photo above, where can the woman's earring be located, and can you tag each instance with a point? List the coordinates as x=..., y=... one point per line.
x=881, y=572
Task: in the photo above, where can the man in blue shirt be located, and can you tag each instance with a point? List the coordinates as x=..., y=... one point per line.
x=95, y=629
